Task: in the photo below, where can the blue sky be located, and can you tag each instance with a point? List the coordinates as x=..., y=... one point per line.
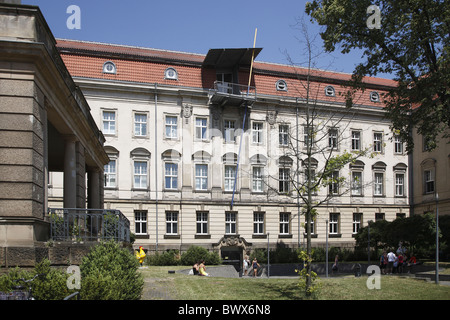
x=196, y=26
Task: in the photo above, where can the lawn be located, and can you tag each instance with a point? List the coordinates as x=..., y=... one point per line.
x=163, y=285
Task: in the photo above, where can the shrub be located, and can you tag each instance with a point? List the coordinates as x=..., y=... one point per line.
x=50, y=285
x=167, y=258
x=196, y=253
x=110, y=272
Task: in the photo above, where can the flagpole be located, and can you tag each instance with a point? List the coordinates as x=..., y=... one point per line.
x=243, y=122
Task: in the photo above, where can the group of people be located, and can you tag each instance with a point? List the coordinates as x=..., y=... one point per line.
x=253, y=265
x=398, y=262
x=199, y=269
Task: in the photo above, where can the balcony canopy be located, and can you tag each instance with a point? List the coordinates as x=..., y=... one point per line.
x=230, y=58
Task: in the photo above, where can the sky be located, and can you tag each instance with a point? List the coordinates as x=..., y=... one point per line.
x=196, y=26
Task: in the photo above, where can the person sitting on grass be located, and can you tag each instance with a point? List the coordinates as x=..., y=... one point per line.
x=202, y=269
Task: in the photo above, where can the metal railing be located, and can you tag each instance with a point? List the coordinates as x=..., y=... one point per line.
x=235, y=89
x=88, y=225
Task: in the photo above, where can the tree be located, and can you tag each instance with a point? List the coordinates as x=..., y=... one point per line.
x=314, y=146
x=412, y=44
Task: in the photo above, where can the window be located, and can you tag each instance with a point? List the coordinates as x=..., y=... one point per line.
x=171, y=222
x=171, y=127
x=140, y=222
x=312, y=225
x=229, y=130
x=334, y=223
x=171, y=74
x=379, y=216
x=356, y=140
x=230, y=174
x=257, y=179
x=140, y=124
x=201, y=128
x=281, y=85
x=171, y=176
x=329, y=91
x=110, y=174
x=374, y=96
x=378, y=142
x=202, y=222
x=109, y=67
x=283, y=176
x=308, y=136
x=333, y=186
x=109, y=122
x=356, y=183
x=283, y=134
x=398, y=145
x=429, y=181
x=284, y=223
x=230, y=222
x=258, y=223
x=378, y=184
x=356, y=222
x=333, y=138
x=399, y=184
x=140, y=174
x=257, y=132
x=201, y=177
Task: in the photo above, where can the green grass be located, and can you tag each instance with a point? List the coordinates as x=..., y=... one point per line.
x=182, y=287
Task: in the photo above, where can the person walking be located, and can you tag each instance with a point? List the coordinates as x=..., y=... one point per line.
x=391, y=258
x=255, y=266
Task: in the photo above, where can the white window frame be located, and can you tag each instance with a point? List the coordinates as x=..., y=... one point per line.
x=258, y=223
x=201, y=178
x=257, y=132
x=257, y=179
x=285, y=223
x=140, y=127
x=333, y=134
x=201, y=227
x=110, y=174
x=230, y=222
x=398, y=145
x=283, y=135
x=284, y=180
x=378, y=142
x=229, y=131
x=201, y=128
x=357, y=220
x=378, y=184
x=170, y=128
x=334, y=223
x=140, y=219
x=356, y=186
x=172, y=222
x=172, y=175
x=229, y=175
x=143, y=184
x=429, y=181
x=109, y=124
x=356, y=140
x=399, y=184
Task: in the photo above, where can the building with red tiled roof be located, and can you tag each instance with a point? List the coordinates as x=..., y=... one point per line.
x=201, y=155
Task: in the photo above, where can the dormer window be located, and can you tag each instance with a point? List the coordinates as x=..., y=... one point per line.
x=171, y=74
x=109, y=67
x=374, y=96
x=281, y=85
x=329, y=91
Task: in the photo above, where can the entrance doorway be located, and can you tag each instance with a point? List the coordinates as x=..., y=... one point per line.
x=233, y=256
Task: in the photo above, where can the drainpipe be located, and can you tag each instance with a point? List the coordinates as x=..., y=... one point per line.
x=298, y=181
x=156, y=162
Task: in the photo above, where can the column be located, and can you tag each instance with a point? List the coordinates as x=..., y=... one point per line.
x=70, y=172
x=94, y=189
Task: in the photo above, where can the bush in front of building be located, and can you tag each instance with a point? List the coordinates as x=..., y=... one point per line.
x=195, y=253
x=166, y=258
x=110, y=272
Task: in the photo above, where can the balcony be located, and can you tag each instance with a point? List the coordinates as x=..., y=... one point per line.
x=83, y=225
x=226, y=93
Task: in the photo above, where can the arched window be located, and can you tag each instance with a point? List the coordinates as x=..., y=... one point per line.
x=281, y=85
x=171, y=74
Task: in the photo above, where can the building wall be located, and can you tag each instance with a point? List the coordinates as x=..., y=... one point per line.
x=170, y=101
